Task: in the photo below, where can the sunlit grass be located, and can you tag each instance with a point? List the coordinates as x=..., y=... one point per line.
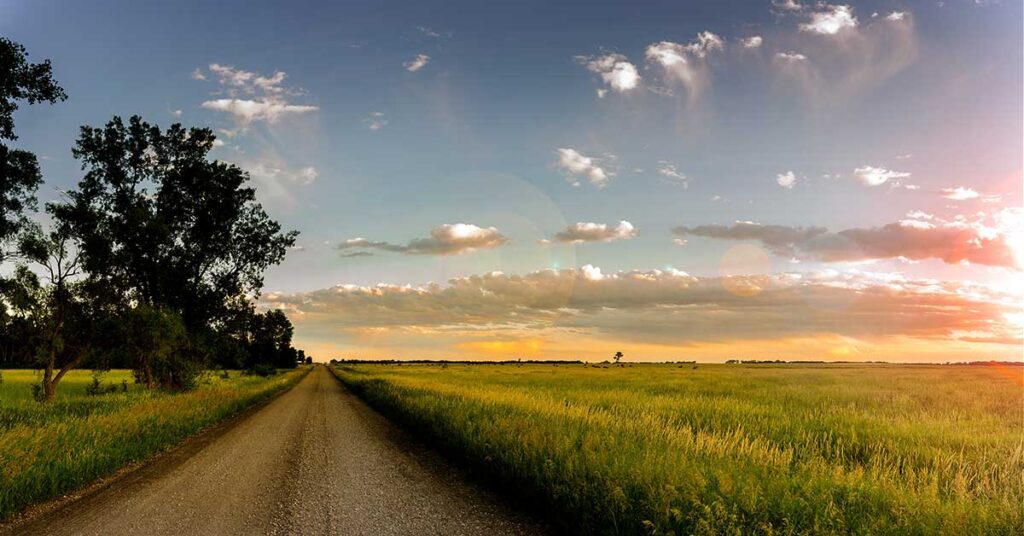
x=50, y=449
x=730, y=448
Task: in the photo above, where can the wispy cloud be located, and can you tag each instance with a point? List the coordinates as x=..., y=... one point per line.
x=416, y=63
x=252, y=97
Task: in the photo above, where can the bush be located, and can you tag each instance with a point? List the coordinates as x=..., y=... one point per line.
x=262, y=369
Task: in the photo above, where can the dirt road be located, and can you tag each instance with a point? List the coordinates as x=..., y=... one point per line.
x=315, y=460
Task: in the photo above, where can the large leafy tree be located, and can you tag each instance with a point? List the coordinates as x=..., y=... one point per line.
x=160, y=224
x=19, y=169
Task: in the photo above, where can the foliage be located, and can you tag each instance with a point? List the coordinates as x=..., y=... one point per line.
x=19, y=169
x=161, y=225
x=729, y=449
x=48, y=450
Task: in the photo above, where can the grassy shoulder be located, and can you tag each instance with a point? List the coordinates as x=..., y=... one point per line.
x=728, y=448
x=47, y=450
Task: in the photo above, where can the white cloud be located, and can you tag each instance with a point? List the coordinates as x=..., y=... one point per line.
x=830, y=20
x=790, y=57
x=247, y=111
x=251, y=96
x=418, y=62
x=615, y=70
x=176, y=113
x=575, y=165
x=448, y=239
x=671, y=175
x=786, y=180
x=787, y=5
x=896, y=16
x=960, y=193
x=581, y=232
x=375, y=121
x=753, y=41
x=876, y=176
x=276, y=173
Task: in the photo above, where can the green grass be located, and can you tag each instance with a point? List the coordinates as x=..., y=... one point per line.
x=47, y=450
x=729, y=449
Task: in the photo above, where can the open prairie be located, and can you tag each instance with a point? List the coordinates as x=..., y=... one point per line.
x=729, y=448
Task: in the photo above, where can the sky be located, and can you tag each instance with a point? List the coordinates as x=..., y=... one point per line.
x=676, y=180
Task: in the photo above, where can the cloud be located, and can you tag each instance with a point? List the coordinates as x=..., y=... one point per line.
x=790, y=57
x=247, y=111
x=666, y=307
x=786, y=180
x=854, y=57
x=684, y=64
x=448, y=239
x=615, y=70
x=671, y=175
x=375, y=121
x=787, y=5
x=978, y=241
x=877, y=176
x=581, y=232
x=960, y=193
x=252, y=97
x=276, y=172
x=575, y=165
x=418, y=62
x=753, y=41
x=830, y=20
x=176, y=113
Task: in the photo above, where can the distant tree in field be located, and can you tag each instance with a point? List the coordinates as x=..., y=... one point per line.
x=160, y=225
x=271, y=341
x=19, y=169
x=617, y=357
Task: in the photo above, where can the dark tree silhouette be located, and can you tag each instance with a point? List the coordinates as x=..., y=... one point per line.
x=162, y=225
x=617, y=357
x=19, y=169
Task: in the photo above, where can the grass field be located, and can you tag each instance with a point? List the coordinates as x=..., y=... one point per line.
x=729, y=449
x=49, y=449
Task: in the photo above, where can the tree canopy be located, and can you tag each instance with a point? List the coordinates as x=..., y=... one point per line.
x=161, y=224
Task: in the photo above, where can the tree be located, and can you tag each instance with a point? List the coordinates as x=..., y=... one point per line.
x=58, y=311
x=618, y=356
x=271, y=341
x=162, y=225
x=156, y=337
x=19, y=170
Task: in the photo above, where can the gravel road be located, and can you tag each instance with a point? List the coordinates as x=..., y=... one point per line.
x=315, y=460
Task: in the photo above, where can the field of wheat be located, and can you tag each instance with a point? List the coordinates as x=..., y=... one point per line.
x=729, y=449
x=49, y=449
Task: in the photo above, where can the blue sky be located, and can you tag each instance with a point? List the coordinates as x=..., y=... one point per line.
x=924, y=96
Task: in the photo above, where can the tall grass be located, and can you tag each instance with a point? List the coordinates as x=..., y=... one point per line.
x=49, y=449
x=729, y=448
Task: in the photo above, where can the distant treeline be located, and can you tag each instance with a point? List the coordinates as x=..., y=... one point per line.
x=449, y=362
x=153, y=262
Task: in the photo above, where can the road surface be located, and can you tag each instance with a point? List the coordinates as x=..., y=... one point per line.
x=315, y=460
